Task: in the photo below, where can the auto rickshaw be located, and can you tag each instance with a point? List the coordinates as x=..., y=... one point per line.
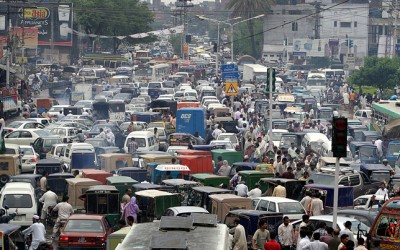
x=207, y=148
x=145, y=186
x=293, y=187
x=133, y=172
x=57, y=183
x=10, y=165
x=122, y=183
x=148, y=158
x=324, y=162
x=111, y=162
x=192, y=152
x=153, y=203
x=197, y=163
x=223, y=203
x=239, y=166
x=51, y=166
x=11, y=237
x=98, y=175
x=370, y=136
x=345, y=193
x=377, y=172
x=161, y=172
x=102, y=199
x=253, y=177
x=181, y=187
x=211, y=180
x=230, y=156
x=199, y=196
x=77, y=187
x=83, y=160
x=250, y=219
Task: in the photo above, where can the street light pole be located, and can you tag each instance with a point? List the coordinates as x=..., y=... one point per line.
x=216, y=54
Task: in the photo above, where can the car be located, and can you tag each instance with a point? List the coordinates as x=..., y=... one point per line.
x=27, y=124
x=29, y=158
x=56, y=150
x=230, y=137
x=162, y=135
x=364, y=202
x=365, y=216
x=55, y=110
x=72, y=124
x=44, y=121
x=83, y=230
x=126, y=97
x=276, y=136
x=118, y=133
x=228, y=145
x=328, y=219
x=84, y=121
x=184, y=211
x=25, y=136
x=66, y=133
x=289, y=207
x=97, y=142
x=42, y=145
x=166, y=97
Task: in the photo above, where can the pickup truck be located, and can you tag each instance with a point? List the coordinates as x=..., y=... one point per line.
x=360, y=182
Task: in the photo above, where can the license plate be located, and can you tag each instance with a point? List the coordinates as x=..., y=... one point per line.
x=81, y=240
x=19, y=218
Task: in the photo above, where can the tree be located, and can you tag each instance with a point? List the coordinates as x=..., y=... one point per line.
x=113, y=18
x=248, y=9
x=243, y=46
x=382, y=73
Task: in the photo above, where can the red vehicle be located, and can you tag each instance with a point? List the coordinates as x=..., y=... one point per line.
x=197, y=163
x=85, y=231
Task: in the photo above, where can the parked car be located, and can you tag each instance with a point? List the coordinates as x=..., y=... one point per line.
x=83, y=230
x=288, y=207
x=25, y=136
x=185, y=211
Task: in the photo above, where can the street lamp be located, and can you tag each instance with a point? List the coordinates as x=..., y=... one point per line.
x=218, y=38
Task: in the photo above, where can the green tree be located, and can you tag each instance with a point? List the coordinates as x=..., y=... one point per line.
x=243, y=46
x=176, y=42
x=248, y=9
x=382, y=73
x=113, y=18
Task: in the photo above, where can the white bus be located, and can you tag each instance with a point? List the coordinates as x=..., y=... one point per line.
x=316, y=80
x=97, y=71
x=153, y=73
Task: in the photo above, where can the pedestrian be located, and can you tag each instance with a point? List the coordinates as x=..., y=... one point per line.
x=272, y=244
x=225, y=169
x=321, y=229
x=349, y=245
x=241, y=189
x=219, y=164
x=286, y=234
x=239, y=241
x=304, y=240
x=126, y=198
x=334, y=243
x=130, y=209
x=328, y=236
x=360, y=244
x=132, y=146
x=347, y=231
x=316, y=205
x=110, y=137
x=279, y=191
x=43, y=182
x=288, y=174
x=382, y=191
x=49, y=199
x=261, y=236
x=316, y=244
x=102, y=134
x=60, y=115
x=255, y=192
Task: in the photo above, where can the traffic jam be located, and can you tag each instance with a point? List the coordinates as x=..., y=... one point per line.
x=160, y=153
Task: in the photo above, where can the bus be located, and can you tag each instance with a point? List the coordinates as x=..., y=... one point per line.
x=333, y=73
x=316, y=80
x=154, y=73
x=95, y=71
x=382, y=113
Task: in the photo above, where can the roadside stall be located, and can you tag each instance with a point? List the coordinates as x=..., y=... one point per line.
x=223, y=203
x=77, y=187
x=153, y=203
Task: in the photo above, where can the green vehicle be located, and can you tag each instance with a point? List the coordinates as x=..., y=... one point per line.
x=181, y=187
x=116, y=238
x=199, y=196
x=230, y=156
x=252, y=177
x=153, y=203
x=102, y=199
x=122, y=183
x=211, y=180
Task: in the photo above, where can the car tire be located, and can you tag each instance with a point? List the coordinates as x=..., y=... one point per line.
x=4, y=179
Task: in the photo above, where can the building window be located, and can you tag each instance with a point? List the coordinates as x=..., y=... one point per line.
x=334, y=23
x=345, y=24
x=380, y=30
x=295, y=26
x=355, y=24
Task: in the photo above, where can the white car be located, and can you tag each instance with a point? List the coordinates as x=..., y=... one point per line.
x=66, y=133
x=44, y=121
x=291, y=208
x=29, y=158
x=55, y=110
x=364, y=202
x=229, y=137
x=185, y=211
x=172, y=149
x=27, y=124
x=228, y=145
x=56, y=150
x=25, y=136
x=168, y=97
x=276, y=136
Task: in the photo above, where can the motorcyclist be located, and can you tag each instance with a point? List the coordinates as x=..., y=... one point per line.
x=4, y=219
x=64, y=211
x=38, y=232
x=49, y=199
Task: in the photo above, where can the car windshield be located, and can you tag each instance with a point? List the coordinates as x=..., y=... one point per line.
x=286, y=141
x=97, y=143
x=394, y=149
x=18, y=200
x=42, y=133
x=26, y=151
x=324, y=179
x=355, y=226
x=91, y=226
x=15, y=124
x=227, y=144
x=50, y=142
x=140, y=141
x=291, y=208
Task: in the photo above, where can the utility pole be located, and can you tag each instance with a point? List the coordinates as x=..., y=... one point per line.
x=396, y=15
x=184, y=5
x=317, y=23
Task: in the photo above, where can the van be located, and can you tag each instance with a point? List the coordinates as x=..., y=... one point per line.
x=326, y=150
x=385, y=228
x=19, y=195
x=65, y=156
x=315, y=140
x=146, y=141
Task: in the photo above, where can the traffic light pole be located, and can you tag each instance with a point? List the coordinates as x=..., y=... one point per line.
x=336, y=193
x=270, y=143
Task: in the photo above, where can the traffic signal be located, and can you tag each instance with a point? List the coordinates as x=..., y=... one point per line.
x=268, y=80
x=349, y=43
x=188, y=39
x=339, y=137
x=215, y=48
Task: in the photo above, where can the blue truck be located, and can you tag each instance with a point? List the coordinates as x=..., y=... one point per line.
x=191, y=120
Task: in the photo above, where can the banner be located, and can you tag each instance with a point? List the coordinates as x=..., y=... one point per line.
x=26, y=37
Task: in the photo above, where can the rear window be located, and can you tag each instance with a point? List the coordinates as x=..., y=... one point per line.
x=18, y=200
x=291, y=208
x=48, y=143
x=90, y=226
x=26, y=151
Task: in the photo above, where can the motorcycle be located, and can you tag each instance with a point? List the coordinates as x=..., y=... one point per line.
x=42, y=246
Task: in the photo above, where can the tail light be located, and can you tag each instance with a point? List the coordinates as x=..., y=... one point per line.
x=101, y=239
x=63, y=238
x=33, y=160
x=10, y=130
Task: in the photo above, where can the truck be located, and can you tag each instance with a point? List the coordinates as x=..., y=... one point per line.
x=10, y=103
x=254, y=72
x=57, y=89
x=82, y=91
x=191, y=120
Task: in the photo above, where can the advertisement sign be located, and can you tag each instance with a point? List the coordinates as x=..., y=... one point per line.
x=26, y=37
x=312, y=47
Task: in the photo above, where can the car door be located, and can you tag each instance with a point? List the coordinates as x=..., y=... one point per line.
x=26, y=137
x=263, y=205
x=12, y=137
x=38, y=145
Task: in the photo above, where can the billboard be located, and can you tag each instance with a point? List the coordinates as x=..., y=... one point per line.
x=312, y=47
x=53, y=21
x=26, y=37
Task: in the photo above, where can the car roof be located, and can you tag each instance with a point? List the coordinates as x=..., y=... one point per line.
x=340, y=219
x=86, y=217
x=380, y=197
x=17, y=186
x=189, y=209
x=276, y=199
